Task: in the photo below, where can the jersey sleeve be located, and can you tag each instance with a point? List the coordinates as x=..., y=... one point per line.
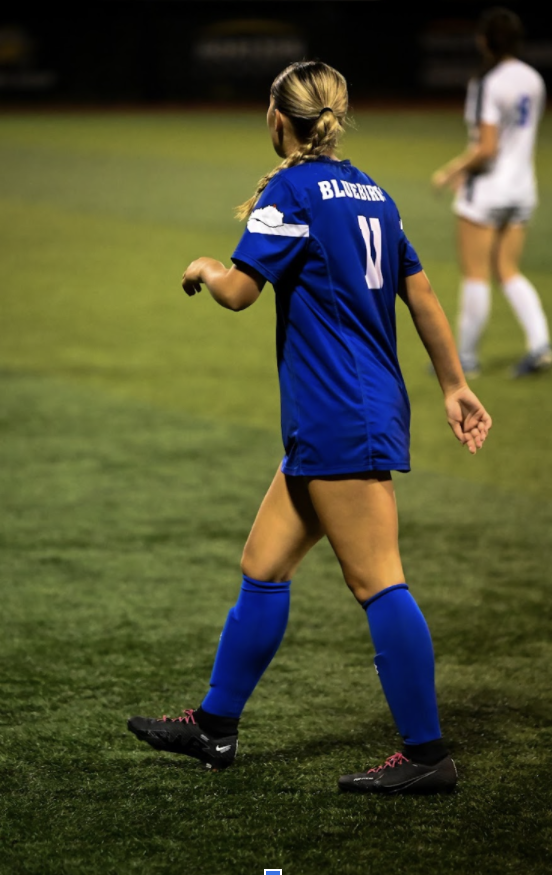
x=490, y=100
x=277, y=231
x=542, y=98
x=470, y=102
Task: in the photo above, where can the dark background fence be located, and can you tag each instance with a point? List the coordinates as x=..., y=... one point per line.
x=164, y=52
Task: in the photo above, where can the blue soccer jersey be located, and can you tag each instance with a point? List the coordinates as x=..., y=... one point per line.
x=331, y=243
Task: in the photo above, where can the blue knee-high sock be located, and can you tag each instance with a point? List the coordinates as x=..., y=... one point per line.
x=404, y=662
x=250, y=638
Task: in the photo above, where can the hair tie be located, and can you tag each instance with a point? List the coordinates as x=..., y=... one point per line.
x=326, y=109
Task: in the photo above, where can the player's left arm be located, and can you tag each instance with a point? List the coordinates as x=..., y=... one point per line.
x=473, y=159
x=466, y=416
x=232, y=287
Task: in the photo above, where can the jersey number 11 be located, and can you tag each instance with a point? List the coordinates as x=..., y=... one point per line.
x=372, y=238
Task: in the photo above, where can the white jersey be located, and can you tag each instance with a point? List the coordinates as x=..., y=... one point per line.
x=512, y=97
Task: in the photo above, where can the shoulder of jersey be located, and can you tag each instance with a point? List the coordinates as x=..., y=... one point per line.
x=514, y=68
x=530, y=71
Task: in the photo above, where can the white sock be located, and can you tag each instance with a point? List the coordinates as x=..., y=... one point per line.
x=526, y=304
x=475, y=307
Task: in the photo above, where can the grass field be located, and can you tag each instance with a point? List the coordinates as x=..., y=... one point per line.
x=139, y=430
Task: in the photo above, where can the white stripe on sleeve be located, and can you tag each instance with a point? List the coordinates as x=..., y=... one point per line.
x=283, y=230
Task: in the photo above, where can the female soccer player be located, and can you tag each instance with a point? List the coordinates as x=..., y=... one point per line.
x=331, y=243
x=496, y=192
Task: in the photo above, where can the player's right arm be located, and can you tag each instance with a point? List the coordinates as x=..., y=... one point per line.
x=472, y=160
x=483, y=114
x=232, y=287
x=466, y=416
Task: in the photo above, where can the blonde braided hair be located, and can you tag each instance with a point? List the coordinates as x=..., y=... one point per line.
x=314, y=97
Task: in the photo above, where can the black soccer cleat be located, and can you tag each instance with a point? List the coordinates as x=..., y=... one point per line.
x=183, y=735
x=400, y=775
x=533, y=363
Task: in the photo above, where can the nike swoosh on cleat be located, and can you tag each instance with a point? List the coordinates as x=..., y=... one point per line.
x=412, y=781
x=404, y=783
x=223, y=749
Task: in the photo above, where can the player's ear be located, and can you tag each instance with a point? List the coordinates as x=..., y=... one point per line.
x=278, y=121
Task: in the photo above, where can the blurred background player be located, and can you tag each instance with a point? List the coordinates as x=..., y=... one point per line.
x=496, y=191
x=331, y=243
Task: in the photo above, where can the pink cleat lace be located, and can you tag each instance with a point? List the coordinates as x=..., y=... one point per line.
x=188, y=717
x=395, y=760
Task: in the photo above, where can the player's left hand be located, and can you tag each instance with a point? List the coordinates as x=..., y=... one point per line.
x=191, y=278
x=467, y=418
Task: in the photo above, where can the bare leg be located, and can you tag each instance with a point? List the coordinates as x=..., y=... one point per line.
x=507, y=251
x=359, y=516
x=475, y=245
x=285, y=529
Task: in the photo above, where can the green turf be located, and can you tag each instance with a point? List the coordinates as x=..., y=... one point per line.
x=101, y=214
x=138, y=431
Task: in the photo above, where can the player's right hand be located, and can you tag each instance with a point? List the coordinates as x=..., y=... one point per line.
x=439, y=179
x=191, y=278
x=449, y=178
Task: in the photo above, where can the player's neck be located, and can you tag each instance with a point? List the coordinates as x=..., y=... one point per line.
x=297, y=147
